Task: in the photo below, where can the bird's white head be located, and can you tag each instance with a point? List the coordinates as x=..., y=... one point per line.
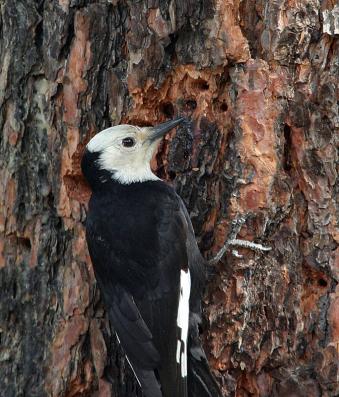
x=125, y=150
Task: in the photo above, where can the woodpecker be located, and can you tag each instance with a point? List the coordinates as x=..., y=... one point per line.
x=147, y=264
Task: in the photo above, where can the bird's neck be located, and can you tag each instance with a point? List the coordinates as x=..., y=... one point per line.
x=131, y=175
x=99, y=178
x=95, y=176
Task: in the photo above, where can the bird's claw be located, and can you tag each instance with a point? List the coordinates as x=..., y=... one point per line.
x=236, y=225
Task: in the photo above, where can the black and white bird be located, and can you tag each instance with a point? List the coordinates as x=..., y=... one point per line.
x=147, y=263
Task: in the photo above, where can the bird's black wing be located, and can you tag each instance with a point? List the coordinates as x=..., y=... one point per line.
x=131, y=329
x=196, y=264
x=132, y=332
x=201, y=382
x=138, y=267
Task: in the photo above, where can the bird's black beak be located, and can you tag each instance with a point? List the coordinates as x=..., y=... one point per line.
x=160, y=130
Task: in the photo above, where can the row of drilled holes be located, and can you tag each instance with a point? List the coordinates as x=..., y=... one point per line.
x=167, y=108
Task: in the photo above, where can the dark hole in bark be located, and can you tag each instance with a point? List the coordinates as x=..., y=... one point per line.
x=172, y=175
x=67, y=43
x=322, y=282
x=223, y=107
x=287, y=161
x=201, y=85
x=167, y=109
x=24, y=242
x=39, y=34
x=170, y=48
x=191, y=104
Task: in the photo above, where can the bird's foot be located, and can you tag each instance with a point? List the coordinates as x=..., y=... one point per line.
x=249, y=244
x=234, y=242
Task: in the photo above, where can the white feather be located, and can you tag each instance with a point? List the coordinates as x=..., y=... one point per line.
x=182, y=320
x=127, y=176
x=178, y=351
x=108, y=136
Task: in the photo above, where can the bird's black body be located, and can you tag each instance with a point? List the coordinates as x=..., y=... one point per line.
x=140, y=239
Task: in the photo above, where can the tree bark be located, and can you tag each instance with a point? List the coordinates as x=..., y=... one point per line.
x=259, y=82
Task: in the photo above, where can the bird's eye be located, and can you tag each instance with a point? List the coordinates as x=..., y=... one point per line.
x=128, y=142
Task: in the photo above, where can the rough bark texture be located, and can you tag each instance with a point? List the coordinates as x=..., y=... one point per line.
x=259, y=80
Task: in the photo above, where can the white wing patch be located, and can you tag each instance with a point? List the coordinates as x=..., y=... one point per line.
x=182, y=320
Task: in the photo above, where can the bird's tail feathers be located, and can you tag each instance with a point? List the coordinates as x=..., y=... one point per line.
x=200, y=380
x=148, y=382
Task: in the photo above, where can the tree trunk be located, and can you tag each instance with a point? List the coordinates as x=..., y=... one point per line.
x=258, y=80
